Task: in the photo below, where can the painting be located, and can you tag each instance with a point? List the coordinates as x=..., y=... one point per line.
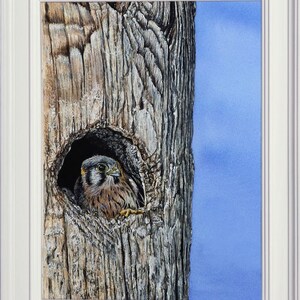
x=152, y=131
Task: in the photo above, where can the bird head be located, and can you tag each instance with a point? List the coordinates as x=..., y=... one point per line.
x=98, y=170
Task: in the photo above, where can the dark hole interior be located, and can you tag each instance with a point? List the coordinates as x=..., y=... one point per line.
x=99, y=142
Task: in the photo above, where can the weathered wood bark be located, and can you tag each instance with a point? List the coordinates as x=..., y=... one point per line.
x=118, y=79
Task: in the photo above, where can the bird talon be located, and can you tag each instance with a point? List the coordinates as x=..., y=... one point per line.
x=126, y=212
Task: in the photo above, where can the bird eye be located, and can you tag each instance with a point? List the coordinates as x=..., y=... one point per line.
x=101, y=167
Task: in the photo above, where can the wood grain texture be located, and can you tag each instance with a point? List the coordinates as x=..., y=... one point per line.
x=127, y=68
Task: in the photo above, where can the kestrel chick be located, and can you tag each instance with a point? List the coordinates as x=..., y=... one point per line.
x=106, y=187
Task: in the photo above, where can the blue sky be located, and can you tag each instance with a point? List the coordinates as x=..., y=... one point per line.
x=226, y=246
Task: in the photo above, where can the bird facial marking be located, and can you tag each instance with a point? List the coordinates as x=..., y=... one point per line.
x=100, y=171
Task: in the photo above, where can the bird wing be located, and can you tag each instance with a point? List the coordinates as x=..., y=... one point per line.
x=79, y=192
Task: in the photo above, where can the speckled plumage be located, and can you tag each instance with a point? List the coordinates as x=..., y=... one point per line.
x=105, y=186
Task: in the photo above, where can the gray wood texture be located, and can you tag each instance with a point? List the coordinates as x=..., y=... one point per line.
x=126, y=69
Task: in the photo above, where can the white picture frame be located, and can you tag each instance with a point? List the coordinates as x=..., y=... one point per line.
x=21, y=144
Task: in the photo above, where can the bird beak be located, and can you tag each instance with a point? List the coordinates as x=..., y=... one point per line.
x=114, y=171
x=82, y=171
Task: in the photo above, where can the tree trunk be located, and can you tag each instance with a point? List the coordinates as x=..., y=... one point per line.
x=118, y=80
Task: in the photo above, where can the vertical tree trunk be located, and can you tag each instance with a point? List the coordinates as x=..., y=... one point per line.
x=118, y=78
